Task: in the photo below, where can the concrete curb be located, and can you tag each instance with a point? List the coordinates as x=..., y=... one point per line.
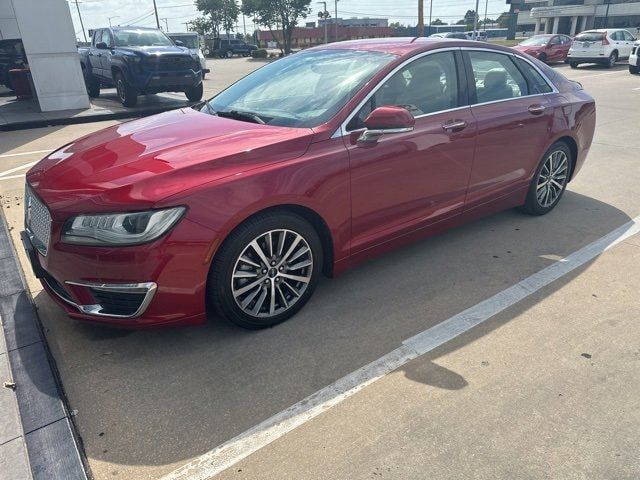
x=37, y=441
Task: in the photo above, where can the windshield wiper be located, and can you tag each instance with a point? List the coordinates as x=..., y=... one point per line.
x=238, y=115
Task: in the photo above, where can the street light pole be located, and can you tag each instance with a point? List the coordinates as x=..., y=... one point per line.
x=325, y=15
x=336, y=19
x=420, y=18
x=166, y=23
x=155, y=9
x=475, y=21
x=430, y=12
x=81, y=24
x=486, y=6
x=117, y=16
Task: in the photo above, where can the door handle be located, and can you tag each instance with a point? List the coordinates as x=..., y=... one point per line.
x=454, y=125
x=536, y=109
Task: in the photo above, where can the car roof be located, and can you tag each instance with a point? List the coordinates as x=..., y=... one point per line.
x=131, y=27
x=406, y=45
x=602, y=30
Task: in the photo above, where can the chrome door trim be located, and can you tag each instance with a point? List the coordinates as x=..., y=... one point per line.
x=342, y=129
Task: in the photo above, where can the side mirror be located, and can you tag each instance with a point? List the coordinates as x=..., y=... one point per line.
x=179, y=43
x=386, y=120
x=102, y=46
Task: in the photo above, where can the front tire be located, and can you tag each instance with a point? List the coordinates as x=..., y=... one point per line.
x=543, y=57
x=194, y=94
x=126, y=93
x=550, y=180
x=634, y=69
x=266, y=270
x=573, y=65
x=228, y=54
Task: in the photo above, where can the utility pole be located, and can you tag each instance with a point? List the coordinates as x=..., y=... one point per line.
x=430, y=12
x=81, y=24
x=606, y=15
x=486, y=6
x=325, y=16
x=475, y=21
x=420, y=18
x=244, y=27
x=166, y=23
x=336, y=20
x=117, y=16
x=186, y=25
x=155, y=9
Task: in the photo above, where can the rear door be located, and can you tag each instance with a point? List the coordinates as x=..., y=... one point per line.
x=513, y=124
x=95, y=54
x=554, y=49
x=627, y=41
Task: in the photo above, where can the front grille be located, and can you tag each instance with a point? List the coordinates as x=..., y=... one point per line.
x=119, y=302
x=37, y=221
x=634, y=50
x=169, y=63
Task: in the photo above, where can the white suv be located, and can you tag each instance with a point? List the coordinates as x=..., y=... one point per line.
x=634, y=62
x=605, y=46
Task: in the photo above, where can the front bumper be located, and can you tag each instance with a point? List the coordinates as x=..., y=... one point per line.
x=166, y=81
x=157, y=284
x=633, y=60
x=587, y=58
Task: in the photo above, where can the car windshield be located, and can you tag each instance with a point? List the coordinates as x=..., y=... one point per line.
x=590, y=37
x=141, y=38
x=535, y=41
x=301, y=90
x=190, y=41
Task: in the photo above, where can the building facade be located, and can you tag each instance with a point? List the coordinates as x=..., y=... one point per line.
x=574, y=16
x=356, y=22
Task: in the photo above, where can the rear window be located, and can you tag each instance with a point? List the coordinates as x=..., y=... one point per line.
x=590, y=37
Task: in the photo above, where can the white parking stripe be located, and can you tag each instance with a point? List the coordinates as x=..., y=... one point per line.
x=261, y=435
x=22, y=175
x=24, y=153
x=593, y=76
x=17, y=169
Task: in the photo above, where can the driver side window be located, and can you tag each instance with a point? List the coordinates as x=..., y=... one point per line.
x=426, y=85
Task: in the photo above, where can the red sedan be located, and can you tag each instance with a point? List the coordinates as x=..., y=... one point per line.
x=546, y=48
x=309, y=165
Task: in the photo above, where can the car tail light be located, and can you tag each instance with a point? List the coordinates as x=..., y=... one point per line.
x=605, y=40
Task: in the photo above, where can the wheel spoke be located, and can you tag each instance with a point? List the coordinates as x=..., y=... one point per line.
x=258, y=249
x=296, y=278
x=553, y=182
x=247, y=300
x=284, y=299
x=272, y=302
x=249, y=261
x=281, y=239
x=298, y=254
x=258, y=305
x=246, y=288
x=245, y=274
x=293, y=245
x=299, y=265
x=293, y=290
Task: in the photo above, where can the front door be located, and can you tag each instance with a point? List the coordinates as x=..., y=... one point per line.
x=408, y=180
x=513, y=119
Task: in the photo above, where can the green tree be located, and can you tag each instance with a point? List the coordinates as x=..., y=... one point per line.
x=470, y=17
x=437, y=21
x=202, y=25
x=223, y=14
x=461, y=22
x=281, y=15
x=503, y=20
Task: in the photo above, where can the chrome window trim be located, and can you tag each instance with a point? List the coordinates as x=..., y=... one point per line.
x=151, y=288
x=342, y=129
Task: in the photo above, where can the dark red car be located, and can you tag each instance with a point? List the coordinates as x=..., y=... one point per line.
x=309, y=165
x=546, y=48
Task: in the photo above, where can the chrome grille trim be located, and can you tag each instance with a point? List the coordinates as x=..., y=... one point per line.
x=37, y=221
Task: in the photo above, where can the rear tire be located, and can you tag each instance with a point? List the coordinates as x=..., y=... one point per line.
x=93, y=86
x=573, y=65
x=543, y=57
x=126, y=93
x=550, y=180
x=634, y=69
x=238, y=265
x=194, y=94
x=613, y=58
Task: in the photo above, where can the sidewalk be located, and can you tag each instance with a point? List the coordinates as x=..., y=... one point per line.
x=36, y=438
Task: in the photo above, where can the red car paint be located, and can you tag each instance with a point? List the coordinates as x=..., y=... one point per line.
x=552, y=51
x=370, y=198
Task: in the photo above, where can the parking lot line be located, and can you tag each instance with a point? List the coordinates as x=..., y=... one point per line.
x=261, y=435
x=25, y=153
x=16, y=169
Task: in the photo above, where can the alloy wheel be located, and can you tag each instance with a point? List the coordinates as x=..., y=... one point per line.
x=271, y=273
x=120, y=90
x=552, y=178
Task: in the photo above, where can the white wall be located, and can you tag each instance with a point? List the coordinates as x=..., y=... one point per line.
x=8, y=23
x=47, y=33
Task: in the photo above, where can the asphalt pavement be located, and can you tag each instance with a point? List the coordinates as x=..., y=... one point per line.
x=546, y=388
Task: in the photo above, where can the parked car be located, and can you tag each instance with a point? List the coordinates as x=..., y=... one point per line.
x=459, y=35
x=308, y=165
x=479, y=35
x=191, y=40
x=546, y=48
x=228, y=47
x=139, y=61
x=12, y=56
x=634, y=63
x=604, y=46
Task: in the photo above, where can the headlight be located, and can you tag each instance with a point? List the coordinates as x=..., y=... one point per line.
x=119, y=229
x=134, y=59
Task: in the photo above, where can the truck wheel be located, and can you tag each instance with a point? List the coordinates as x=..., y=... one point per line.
x=633, y=69
x=194, y=94
x=126, y=93
x=93, y=87
x=228, y=53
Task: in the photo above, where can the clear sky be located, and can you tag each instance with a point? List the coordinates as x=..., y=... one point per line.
x=95, y=13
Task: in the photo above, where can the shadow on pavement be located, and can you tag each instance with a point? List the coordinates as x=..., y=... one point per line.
x=151, y=398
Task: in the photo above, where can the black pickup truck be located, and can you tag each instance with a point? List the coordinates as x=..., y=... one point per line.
x=139, y=61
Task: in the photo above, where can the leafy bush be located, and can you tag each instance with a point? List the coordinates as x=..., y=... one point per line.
x=259, y=53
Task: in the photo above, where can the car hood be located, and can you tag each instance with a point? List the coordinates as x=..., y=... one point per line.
x=529, y=48
x=163, y=50
x=139, y=163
